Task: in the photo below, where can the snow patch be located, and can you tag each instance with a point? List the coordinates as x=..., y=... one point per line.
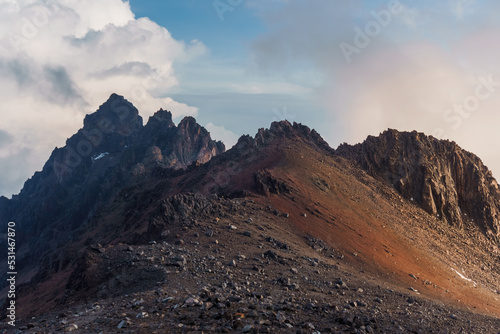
x=463, y=277
x=102, y=155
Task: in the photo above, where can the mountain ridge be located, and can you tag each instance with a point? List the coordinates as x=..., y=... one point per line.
x=161, y=207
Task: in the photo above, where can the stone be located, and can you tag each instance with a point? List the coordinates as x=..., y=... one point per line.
x=142, y=315
x=280, y=317
x=247, y=329
x=190, y=302
x=238, y=324
x=71, y=328
x=122, y=324
x=270, y=254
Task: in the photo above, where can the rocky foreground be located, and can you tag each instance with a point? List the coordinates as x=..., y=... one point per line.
x=240, y=273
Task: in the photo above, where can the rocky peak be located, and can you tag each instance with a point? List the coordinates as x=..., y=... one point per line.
x=195, y=138
x=161, y=118
x=116, y=115
x=445, y=180
x=189, y=127
x=167, y=145
x=284, y=129
x=111, y=150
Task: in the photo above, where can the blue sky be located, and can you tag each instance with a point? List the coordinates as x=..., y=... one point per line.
x=198, y=19
x=348, y=68
x=212, y=83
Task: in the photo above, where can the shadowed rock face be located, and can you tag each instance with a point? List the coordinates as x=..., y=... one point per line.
x=4, y=208
x=442, y=178
x=175, y=147
x=111, y=150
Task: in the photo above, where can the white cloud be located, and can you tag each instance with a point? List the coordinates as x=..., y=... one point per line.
x=409, y=75
x=176, y=108
x=220, y=133
x=61, y=59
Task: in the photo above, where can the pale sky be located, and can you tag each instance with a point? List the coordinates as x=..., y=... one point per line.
x=348, y=68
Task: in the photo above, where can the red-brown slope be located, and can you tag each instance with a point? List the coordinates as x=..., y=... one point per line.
x=380, y=233
x=382, y=236
x=366, y=226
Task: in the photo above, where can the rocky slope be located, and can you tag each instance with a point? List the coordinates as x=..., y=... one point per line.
x=445, y=180
x=233, y=266
x=111, y=150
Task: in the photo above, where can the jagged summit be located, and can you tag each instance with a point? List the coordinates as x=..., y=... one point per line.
x=177, y=146
x=281, y=130
x=444, y=179
x=285, y=129
x=161, y=118
x=109, y=152
x=116, y=115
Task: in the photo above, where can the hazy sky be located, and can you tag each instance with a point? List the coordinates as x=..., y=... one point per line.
x=344, y=67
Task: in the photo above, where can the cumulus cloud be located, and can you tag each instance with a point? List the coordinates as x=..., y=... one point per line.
x=411, y=74
x=5, y=139
x=219, y=132
x=61, y=59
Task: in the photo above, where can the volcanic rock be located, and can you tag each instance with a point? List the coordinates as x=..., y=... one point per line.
x=109, y=153
x=445, y=180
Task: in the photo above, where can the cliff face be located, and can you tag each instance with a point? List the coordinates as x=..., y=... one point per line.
x=4, y=209
x=162, y=144
x=442, y=178
x=111, y=150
